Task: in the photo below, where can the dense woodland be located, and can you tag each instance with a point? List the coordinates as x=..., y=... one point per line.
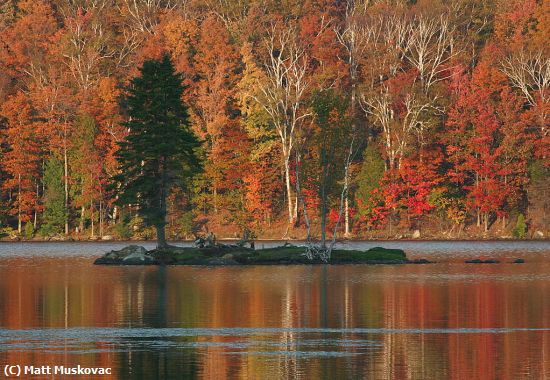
x=365, y=117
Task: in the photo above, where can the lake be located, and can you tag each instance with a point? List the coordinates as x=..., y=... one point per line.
x=435, y=321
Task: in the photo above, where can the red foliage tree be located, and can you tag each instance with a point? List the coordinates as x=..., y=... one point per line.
x=487, y=143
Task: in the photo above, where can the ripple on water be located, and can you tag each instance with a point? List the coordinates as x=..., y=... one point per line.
x=272, y=341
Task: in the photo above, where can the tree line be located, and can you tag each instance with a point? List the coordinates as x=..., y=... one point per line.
x=317, y=116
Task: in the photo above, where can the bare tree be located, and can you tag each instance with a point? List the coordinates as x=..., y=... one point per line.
x=71, y=8
x=354, y=36
x=282, y=93
x=232, y=13
x=144, y=14
x=394, y=32
x=130, y=41
x=530, y=73
x=430, y=47
x=397, y=129
x=87, y=47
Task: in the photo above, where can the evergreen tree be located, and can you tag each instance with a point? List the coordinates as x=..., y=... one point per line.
x=54, y=198
x=160, y=150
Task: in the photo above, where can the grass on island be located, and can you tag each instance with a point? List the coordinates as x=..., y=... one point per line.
x=277, y=255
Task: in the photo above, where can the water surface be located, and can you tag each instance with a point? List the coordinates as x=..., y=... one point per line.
x=445, y=320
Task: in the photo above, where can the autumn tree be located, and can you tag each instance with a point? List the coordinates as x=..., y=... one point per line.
x=486, y=143
x=263, y=190
x=282, y=94
x=215, y=115
x=332, y=139
x=451, y=97
x=22, y=159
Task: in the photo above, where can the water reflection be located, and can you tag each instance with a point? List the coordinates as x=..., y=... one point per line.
x=435, y=321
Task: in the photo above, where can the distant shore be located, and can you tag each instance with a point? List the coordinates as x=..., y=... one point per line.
x=228, y=239
x=88, y=240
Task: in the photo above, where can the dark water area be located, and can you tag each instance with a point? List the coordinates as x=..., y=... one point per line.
x=437, y=321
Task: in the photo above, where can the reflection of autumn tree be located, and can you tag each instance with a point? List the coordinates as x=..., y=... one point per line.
x=53, y=297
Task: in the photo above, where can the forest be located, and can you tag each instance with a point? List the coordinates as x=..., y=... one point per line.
x=317, y=118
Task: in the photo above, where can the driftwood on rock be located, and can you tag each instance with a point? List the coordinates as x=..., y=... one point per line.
x=206, y=241
x=246, y=239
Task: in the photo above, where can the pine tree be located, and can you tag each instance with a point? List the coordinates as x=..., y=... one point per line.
x=159, y=151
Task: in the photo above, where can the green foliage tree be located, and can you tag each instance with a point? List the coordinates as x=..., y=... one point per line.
x=29, y=230
x=160, y=150
x=520, y=230
x=82, y=157
x=332, y=142
x=123, y=228
x=55, y=212
x=371, y=173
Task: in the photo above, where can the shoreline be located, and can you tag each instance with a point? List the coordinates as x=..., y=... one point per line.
x=338, y=241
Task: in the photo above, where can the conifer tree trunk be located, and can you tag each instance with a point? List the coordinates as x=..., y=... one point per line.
x=161, y=225
x=161, y=236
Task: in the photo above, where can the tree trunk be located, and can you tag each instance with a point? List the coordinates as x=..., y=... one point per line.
x=323, y=216
x=289, y=192
x=215, y=200
x=298, y=199
x=81, y=225
x=19, y=204
x=100, y=218
x=35, y=223
x=92, y=219
x=346, y=210
x=66, y=182
x=115, y=214
x=161, y=236
x=161, y=225
x=295, y=216
x=353, y=126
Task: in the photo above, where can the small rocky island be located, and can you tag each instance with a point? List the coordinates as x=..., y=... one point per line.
x=225, y=254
